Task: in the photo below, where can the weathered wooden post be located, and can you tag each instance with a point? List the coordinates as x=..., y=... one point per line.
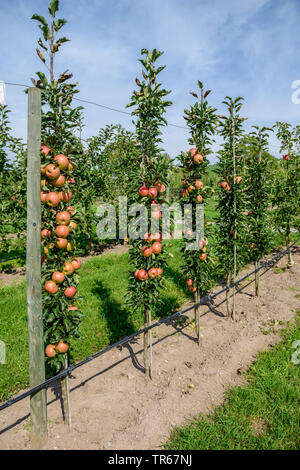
x=38, y=408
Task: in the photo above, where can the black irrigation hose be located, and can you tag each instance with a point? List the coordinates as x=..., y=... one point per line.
x=209, y=299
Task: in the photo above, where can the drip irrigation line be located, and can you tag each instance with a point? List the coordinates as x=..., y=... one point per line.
x=207, y=300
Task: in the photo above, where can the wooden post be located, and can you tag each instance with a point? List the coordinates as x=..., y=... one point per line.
x=38, y=408
x=146, y=346
x=235, y=212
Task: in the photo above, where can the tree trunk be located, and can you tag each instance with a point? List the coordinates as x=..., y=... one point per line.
x=256, y=279
x=228, y=295
x=197, y=316
x=146, y=346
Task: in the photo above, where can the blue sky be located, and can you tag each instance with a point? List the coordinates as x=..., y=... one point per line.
x=237, y=47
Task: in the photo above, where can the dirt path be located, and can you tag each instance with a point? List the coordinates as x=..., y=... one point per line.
x=115, y=407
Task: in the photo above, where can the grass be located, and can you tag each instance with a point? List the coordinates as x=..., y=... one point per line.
x=264, y=415
x=103, y=284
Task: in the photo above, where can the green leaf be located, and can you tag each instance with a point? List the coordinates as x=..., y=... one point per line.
x=41, y=19
x=59, y=24
x=53, y=7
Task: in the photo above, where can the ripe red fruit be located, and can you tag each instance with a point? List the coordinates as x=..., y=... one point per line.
x=62, y=231
x=202, y=243
x=152, y=192
x=156, y=247
x=190, y=282
x=227, y=187
x=46, y=233
x=156, y=214
x=73, y=226
x=62, y=347
x=59, y=182
x=63, y=218
x=152, y=272
x=183, y=192
x=160, y=187
x=68, y=268
x=71, y=210
x=224, y=184
x=250, y=213
x=191, y=189
x=43, y=196
x=72, y=307
x=238, y=179
x=136, y=273
x=185, y=183
x=76, y=263
x=61, y=243
x=62, y=161
x=51, y=287
x=157, y=236
x=52, y=171
x=52, y=199
x=192, y=289
x=198, y=158
x=159, y=271
x=143, y=191
x=71, y=181
x=203, y=256
x=65, y=196
x=199, y=198
x=45, y=150
x=58, y=277
x=50, y=350
x=70, y=292
x=142, y=275
x=199, y=184
x=146, y=251
x=193, y=151
x=286, y=157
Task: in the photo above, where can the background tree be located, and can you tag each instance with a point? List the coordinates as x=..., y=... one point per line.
x=258, y=184
x=286, y=193
x=148, y=187
x=231, y=201
x=202, y=120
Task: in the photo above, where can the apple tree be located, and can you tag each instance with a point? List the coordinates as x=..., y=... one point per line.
x=231, y=198
x=202, y=121
x=148, y=188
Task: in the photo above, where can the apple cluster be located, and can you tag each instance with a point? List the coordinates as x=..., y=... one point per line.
x=58, y=228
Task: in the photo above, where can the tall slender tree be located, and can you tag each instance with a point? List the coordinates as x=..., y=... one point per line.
x=231, y=197
x=202, y=121
x=148, y=188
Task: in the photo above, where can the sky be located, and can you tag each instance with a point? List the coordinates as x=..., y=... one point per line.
x=236, y=47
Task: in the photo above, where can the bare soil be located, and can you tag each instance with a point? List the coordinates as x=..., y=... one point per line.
x=114, y=406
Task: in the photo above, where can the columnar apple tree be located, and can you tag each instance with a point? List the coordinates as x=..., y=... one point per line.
x=287, y=183
x=148, y=188
x=258, y=184
x=231, y=198
x=59, y=153
x=202, y=120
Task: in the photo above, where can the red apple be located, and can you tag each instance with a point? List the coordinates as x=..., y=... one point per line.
x=152, y=192
x=71, y=210
x=192, y=289
x=51, y=287
x=152, y=272
x=199, y=184
x=160, y=187
x=52, y=199
x=146, y=251
x=72, y=307
x=68, y=268
x=142, y=275
x=143, y=191
x=45, y=150
x=76, y=263
x=62, y=347
x=70, y=292
x=62, y=161
x=199, y=198
x=65, y=196
x=50, y=350
x=63, y=218
x=238, y=179
x=193, y=151
x=46, y=233
x=52, y=171
x=61, y=243
x=198, y=158
x=43, y=196
x=286, y=157
x=58, y=277
x=156, y=247
x=159, y=271
x=203, y=256
x=59, y=182
x=62, y=231
x=190, y=282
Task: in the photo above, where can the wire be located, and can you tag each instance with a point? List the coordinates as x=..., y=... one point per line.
x=206, y=300
x=99, y=105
